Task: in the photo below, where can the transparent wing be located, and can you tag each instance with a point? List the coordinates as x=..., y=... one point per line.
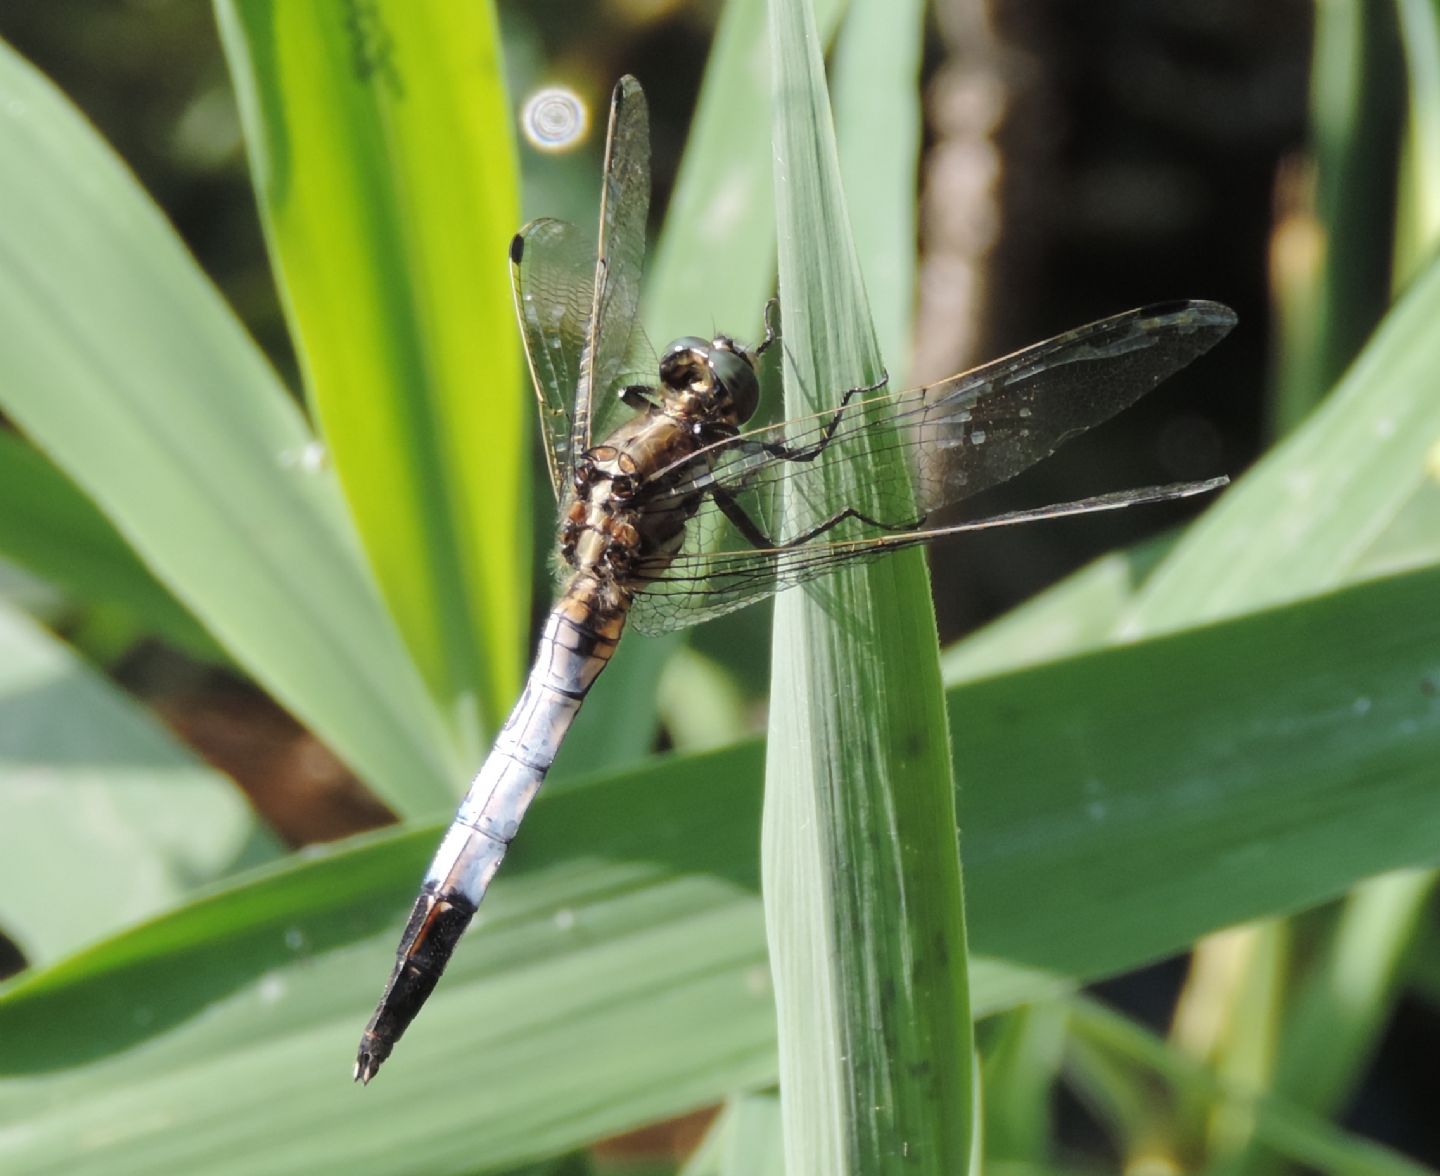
x=624, y=212
x=959, y=436
x=700, y=586
x=552, y=278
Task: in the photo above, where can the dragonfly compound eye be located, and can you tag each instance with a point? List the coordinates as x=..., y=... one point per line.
x=736, y=375
x=684, y=363
x=683, y=367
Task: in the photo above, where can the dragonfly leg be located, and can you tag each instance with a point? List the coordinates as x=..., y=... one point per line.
x=637, y=396
x=747, y=526
x=771, y=334
x=811, y=452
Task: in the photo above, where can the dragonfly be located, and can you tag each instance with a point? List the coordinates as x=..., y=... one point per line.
x=672, y=511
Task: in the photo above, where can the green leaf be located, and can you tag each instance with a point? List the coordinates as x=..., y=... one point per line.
x=119, y=360
x=745, y=1140
x=1105, y=1040
x=250, y=1004
x=107, y=819
x=877, y=128
x=862, y=884
x=722, y=204
x=380, y=141
x=1119, y=805
x=1023, y=1056
x=1341, y=282
x=1340, y=1013
x=1419, y=196
x=52, y=529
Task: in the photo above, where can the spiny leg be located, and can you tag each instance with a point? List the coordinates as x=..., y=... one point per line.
x=747, y=526
x=811, y=452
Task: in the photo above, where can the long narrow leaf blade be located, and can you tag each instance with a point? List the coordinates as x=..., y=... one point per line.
x=380, y=139
x=120, y=361
x=862, y=878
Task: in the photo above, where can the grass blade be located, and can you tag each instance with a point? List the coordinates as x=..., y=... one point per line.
x=1355, y=98
x=380, y=141
x=1418, y=217
x=120, y=361
x=862, y=891
x=1104, y=1037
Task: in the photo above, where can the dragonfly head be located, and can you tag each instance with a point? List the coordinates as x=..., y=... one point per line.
x=716, y=379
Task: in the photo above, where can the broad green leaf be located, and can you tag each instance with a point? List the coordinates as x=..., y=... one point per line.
x=107, y=819
x=119, y=360
x=1119, y=805
x=380, y=140
x=288, y=967
x=51, y=528
x=862, y=883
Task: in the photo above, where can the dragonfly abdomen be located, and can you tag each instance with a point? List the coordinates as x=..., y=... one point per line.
x=577, y=643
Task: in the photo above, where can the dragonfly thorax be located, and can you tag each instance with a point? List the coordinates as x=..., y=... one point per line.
x=714, y=382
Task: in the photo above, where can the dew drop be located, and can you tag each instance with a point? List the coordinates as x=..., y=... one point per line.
x=310, y=458
x=271, y=989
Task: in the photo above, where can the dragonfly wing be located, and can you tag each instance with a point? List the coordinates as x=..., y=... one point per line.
x=960, y=436
x=979, y=428
x=701, y=584
x=620, y=260
x=552, y=275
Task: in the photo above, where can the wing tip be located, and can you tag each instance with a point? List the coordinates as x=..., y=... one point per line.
x=627, y=101
x=1197, y=313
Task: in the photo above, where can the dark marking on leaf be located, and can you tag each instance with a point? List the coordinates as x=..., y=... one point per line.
x=372, y=47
